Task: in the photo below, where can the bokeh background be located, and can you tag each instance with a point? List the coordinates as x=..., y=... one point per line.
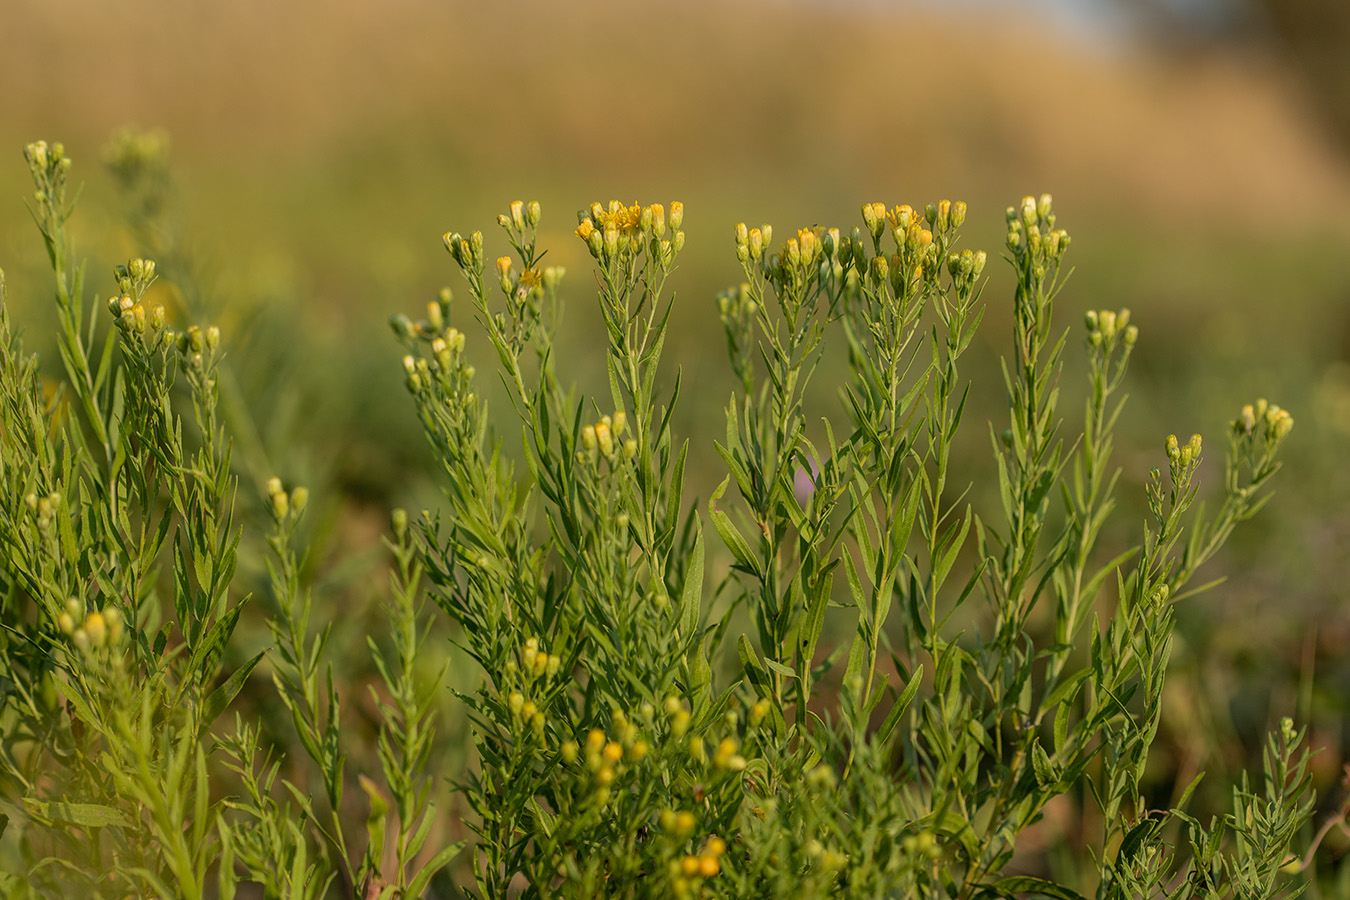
x=1199, y=153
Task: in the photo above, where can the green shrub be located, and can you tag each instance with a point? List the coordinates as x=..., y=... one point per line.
x=635, y=735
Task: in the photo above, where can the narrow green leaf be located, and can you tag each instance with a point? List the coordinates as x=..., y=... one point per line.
x=901, y=704
x=691, y=597
x=730, y=536
x=442, y=859
x=88, y=815
x=222, y=696
x=1027, y=884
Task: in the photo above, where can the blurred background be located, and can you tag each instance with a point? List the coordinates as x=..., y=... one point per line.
x=1198, y=152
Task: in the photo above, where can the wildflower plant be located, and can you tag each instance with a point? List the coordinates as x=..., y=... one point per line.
x=663, y=709
x=613, y=764
x=120, y=546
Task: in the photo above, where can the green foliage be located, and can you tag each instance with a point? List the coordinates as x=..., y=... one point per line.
x=634, y=735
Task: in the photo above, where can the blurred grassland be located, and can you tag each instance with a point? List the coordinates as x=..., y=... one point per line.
x=323, y=148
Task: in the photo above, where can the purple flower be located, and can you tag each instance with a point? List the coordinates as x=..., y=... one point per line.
x=804, y=483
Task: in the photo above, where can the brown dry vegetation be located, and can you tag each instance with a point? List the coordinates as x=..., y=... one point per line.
x=797, y=98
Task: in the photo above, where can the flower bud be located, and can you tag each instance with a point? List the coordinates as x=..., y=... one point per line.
x=1029, y=210
x=880, y=269
x=97, y=628
x=958, y=214
x=299, y=499
x=113, y=617
x=676, y=215
x=398, y=519
x=931, y=215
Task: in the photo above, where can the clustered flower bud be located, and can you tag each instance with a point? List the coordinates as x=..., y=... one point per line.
x=285, y=506
x=602, y=440
x=620, y=232
x=91, y=631
x=467, y=252
x=45, y=507
x=1183, y=456
x=1263, y=421
x=1108, y=327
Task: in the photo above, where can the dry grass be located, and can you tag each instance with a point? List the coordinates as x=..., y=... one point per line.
x=759, y=97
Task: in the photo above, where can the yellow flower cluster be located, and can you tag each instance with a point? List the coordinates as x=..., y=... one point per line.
x=608, y=755
x=1183, y=456
x=620, y=230
x=689, y=871
x=1031, y=229
x=602, y=440
x=44, y=507
x=1106, y=326
x=285, y=506
x=98, y=629
x=1276, y=422
x=533, y=663
x=522, y=217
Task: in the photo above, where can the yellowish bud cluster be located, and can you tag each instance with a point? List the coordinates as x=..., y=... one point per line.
x=604, y=440
x=828, y=858
x=945, y=215
x=522, y=217
x=677, y=717
x=286, y=506
x=48, y=165
x=1276, y=423
x=726, y=757
x=1106, y=326
x=821, y=778
x=921, y=844
x=44, y=507
x=689, y=871
x=92, y=631
x=467, y=252
x=1180, y=456
x=679, y=824
x=535, y=663
x=1031, y=230
x=197, y=346
x=622, y=231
